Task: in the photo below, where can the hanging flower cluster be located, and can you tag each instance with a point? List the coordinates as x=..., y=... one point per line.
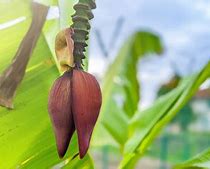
x=74, y=104
x=75, y=97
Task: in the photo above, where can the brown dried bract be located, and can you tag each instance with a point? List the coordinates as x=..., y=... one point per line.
x=64, y=47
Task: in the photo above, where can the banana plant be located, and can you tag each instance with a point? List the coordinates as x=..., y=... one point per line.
x=124, y=127
x=121, y=88
x=146, y=125
x=200, y=161
x=26, y=133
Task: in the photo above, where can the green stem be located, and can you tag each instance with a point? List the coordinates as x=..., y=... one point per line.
x=81, y=28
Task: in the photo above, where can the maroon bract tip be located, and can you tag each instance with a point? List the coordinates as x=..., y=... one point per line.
x=86, y=103
x=59, y=106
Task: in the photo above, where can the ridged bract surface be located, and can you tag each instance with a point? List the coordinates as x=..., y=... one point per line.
x=59, y=106
x=74, y=103
x=86, y=103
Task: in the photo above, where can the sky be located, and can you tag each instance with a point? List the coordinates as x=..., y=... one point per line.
x=184, y=28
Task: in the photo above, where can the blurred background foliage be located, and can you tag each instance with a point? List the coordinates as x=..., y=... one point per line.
x=125, y=133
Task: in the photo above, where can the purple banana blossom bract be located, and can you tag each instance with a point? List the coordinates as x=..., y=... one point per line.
x=74, y=103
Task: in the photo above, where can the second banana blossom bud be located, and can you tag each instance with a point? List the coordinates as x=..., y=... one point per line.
x=74, y=104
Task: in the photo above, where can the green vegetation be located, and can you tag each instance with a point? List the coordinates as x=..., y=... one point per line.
x=26, y=135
